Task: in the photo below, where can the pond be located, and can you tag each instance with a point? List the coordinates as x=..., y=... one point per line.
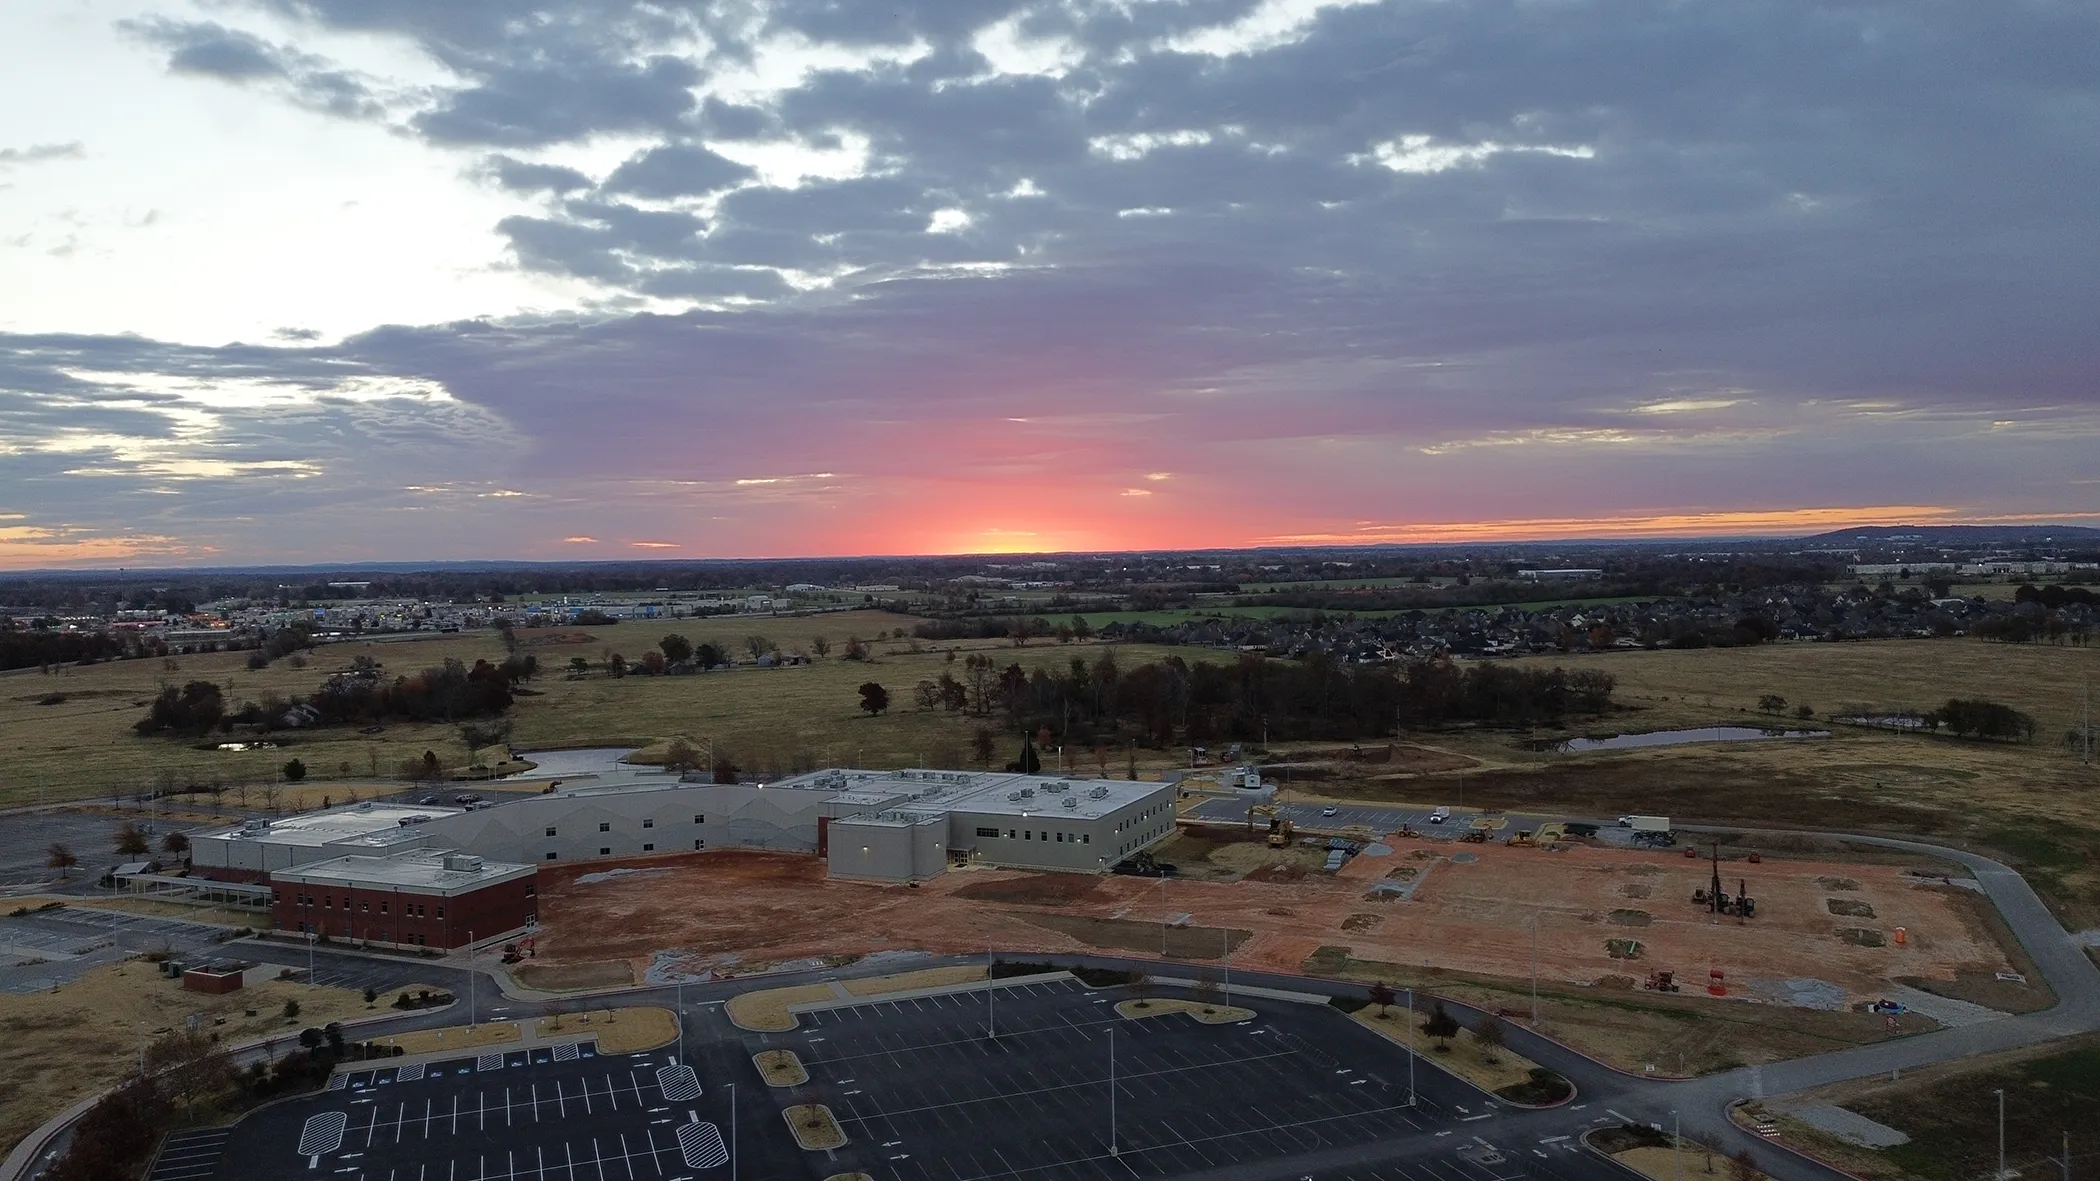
x=1678, y=737
x=602, y=761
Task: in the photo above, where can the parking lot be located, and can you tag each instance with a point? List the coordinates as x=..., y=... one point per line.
x=1378, y=818
x=926, y=1096
x=49, y=947
x=552, y=1112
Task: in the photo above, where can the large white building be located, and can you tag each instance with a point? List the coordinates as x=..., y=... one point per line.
x=882, y=825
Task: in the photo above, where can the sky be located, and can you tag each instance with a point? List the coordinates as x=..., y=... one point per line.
x=336, y=280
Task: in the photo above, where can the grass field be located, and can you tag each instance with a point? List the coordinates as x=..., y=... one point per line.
x=82, y=1038
x=1951, y=1115
x=2035, y=803
x=767, y=719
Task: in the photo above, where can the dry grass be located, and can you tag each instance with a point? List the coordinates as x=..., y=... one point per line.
x=1214, y=1014
x=766, y=1011
x=780, y=1068
x=1661, y=1164
x=619, y=1031
x=815, y=1128
x=454, y=1037
x=1467, y=1058
x=769, y=720
x=83, y=1038
x=906, y=981
x=575, y=977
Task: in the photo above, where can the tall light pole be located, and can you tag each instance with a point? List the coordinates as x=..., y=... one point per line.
x=991, y=999
x=470, y=979
x=1163, y=916
x=732, y=1131
x=681, y=1017
x=1410, y=1047
x=310, y=936
x=1112, y=1149
x=1225, y=937
x=1534, y=967
x=2001, y=1133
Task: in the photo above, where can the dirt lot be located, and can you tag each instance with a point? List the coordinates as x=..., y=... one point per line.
x=736, y=911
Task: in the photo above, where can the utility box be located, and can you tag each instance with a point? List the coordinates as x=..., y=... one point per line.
x=214, y=978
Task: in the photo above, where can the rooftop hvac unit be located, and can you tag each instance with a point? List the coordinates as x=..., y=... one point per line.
x=1099, y=793
x=1013, y=797
x=462, y=862
x=1027, y=793
x=1071, y=802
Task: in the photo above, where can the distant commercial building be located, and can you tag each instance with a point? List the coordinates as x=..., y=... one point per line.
x=420, y=898
x=1544, y=575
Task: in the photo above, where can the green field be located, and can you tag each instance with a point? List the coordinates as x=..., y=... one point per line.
x=769, y=720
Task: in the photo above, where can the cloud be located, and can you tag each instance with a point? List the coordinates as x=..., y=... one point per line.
x=40, y=154
x=521, y=176
x=212, y=50
x=676, y=170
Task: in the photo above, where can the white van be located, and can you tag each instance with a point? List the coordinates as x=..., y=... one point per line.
x=1440, y=815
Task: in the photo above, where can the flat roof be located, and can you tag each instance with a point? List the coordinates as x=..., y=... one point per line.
x=994, y=793
x=421, y=870
x=374, y=824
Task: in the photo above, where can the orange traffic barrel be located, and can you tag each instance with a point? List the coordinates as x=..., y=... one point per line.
x=1902, y=936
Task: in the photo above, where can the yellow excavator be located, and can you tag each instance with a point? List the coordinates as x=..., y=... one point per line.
x=1280, y=827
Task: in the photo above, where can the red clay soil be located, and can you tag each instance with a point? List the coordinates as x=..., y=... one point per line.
x=749, y=909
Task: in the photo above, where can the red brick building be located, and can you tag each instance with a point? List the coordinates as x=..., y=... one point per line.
x=421, y=898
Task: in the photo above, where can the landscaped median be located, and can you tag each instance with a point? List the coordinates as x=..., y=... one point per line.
x=815, y=1128
x=780, y=1068
x=1653, y=1154
x=1486, y=1064
x=769, y=1010
x=617, y=1031
x=1208, y=1014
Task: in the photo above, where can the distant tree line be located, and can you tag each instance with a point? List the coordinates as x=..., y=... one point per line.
x=1315, y=698
x=450, y=692
x=35, y=647
x=1977, y=718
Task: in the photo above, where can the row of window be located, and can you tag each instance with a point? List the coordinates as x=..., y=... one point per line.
x=606, y=850
x=413, y=910
x=1142, y=839
x=1145, y=814
x=606, y=825
x=1029, y=834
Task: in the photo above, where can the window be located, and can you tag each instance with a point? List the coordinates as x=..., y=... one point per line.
x=699, y=818
x=550, y=830
x=648, y=848
x=604, y=852
x=328, y=902
x=441, y=912
x=365, y=907
x=532, y=890
x=382, y=908
x=1060, y=838
x=1086, y=838
x=1028, y=834
x=1009, y=834
x=552, y=856
x=987, y=832
x=699, y=844
x=604, y=826
x=648, y=824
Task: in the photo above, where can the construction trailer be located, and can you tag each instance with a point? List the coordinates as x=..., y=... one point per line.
x=1651, y=830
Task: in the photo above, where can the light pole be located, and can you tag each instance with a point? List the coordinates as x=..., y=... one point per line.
x=1410, y=1047
x=1163, y=916
x=1225, y=937
x=470, y=979
x=1534, y=967
x=991, y=1000
x=310, y=937
x=2001, y=1133
x=1112, y=1149
x=732, y=1132
x=681, y=1017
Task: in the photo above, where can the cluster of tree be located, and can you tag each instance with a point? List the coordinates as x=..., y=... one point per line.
x=1314, y=698
x=32, y=647
x=1977, y=718
x=282, y=642
x=119, y=1133
x=2055, y=595
x=1017, y=628
x=450, y=692
x=1748, y=631
x=2027, y=626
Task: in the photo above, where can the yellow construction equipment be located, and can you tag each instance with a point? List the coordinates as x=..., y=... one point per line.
x=1521, y=839
x=1280, y=827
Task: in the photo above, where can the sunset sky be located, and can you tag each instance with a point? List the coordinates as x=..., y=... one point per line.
x=329, y=280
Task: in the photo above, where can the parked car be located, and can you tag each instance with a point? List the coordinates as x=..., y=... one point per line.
x=1330, y=811
x=466, y=797
x=1440, y=815
x=428, y=800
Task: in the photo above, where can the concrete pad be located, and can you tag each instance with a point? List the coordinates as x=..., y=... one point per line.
x=1850, y=1126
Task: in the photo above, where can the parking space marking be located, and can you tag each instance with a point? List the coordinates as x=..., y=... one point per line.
x=323, y=1132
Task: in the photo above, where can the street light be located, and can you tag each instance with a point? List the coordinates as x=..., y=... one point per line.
x=470, y=979
x=1163, y=916
x=991, y=999
x=2001, y=1133
x=732, y=1132
x=1112, y=1149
